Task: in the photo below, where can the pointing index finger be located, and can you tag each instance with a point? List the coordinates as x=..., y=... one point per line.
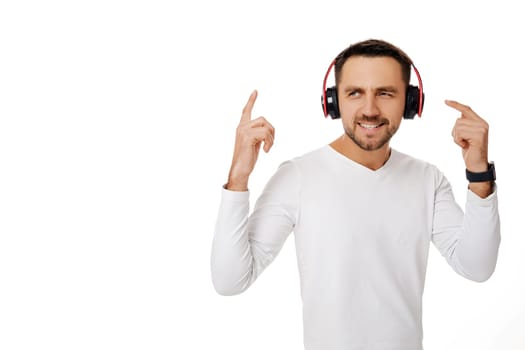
x=465, y=110
x=247, y=110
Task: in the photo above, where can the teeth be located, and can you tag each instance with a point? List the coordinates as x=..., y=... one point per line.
x=369, y=126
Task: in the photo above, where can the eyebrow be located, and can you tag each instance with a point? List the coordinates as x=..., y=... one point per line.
x=387, y=88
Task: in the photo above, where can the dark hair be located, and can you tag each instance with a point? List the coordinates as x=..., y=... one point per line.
x=374, y=48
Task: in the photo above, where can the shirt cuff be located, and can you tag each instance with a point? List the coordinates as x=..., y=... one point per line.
x=235, y=196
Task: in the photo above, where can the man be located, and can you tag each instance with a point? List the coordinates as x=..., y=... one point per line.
x=363, y=214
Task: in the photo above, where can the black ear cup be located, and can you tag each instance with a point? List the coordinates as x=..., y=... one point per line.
x=332, y=105
x=412, y=106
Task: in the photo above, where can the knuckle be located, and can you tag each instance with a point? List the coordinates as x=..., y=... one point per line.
x=483, y=127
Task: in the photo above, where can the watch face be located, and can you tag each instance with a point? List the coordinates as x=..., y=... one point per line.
x=492, y=168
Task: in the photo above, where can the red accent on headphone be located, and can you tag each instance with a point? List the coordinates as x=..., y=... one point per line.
x=324, y=88
x=420, y=104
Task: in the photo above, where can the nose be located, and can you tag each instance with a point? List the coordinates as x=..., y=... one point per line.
x=370, y=107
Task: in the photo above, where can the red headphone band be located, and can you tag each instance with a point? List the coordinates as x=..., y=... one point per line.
x=324, y=87
x=420, y=82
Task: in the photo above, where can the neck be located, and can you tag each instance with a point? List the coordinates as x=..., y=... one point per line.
x=371, y=159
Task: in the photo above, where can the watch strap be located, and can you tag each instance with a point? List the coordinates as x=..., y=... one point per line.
x=489, y=175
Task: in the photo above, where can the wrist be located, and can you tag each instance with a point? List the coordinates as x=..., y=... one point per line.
x=477, y=168
x=482, y=189
x=237, y=183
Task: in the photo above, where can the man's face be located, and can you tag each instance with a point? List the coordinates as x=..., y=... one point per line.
x=371, y=94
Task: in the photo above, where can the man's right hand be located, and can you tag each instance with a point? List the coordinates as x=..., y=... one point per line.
x=250, y=135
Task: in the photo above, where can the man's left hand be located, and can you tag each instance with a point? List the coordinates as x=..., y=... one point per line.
x=471, y=133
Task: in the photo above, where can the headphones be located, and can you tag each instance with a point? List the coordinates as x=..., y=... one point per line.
x=415, y=98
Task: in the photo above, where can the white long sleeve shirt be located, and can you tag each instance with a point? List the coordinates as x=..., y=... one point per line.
x=362, y=239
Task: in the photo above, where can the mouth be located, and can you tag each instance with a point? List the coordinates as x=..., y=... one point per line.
x=370, y=126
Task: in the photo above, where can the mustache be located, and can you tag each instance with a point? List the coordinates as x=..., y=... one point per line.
x=375, y=120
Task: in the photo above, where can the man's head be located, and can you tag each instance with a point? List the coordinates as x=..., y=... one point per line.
x=371, y=79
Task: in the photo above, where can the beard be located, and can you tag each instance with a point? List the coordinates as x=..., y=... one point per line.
x=374, y=142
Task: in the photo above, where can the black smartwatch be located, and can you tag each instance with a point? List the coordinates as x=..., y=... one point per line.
x=489, y=175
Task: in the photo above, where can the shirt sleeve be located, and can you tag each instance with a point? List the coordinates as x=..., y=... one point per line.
x=469, y=241
x=244, y=245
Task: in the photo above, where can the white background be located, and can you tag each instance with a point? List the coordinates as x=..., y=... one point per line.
x=117, y=121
